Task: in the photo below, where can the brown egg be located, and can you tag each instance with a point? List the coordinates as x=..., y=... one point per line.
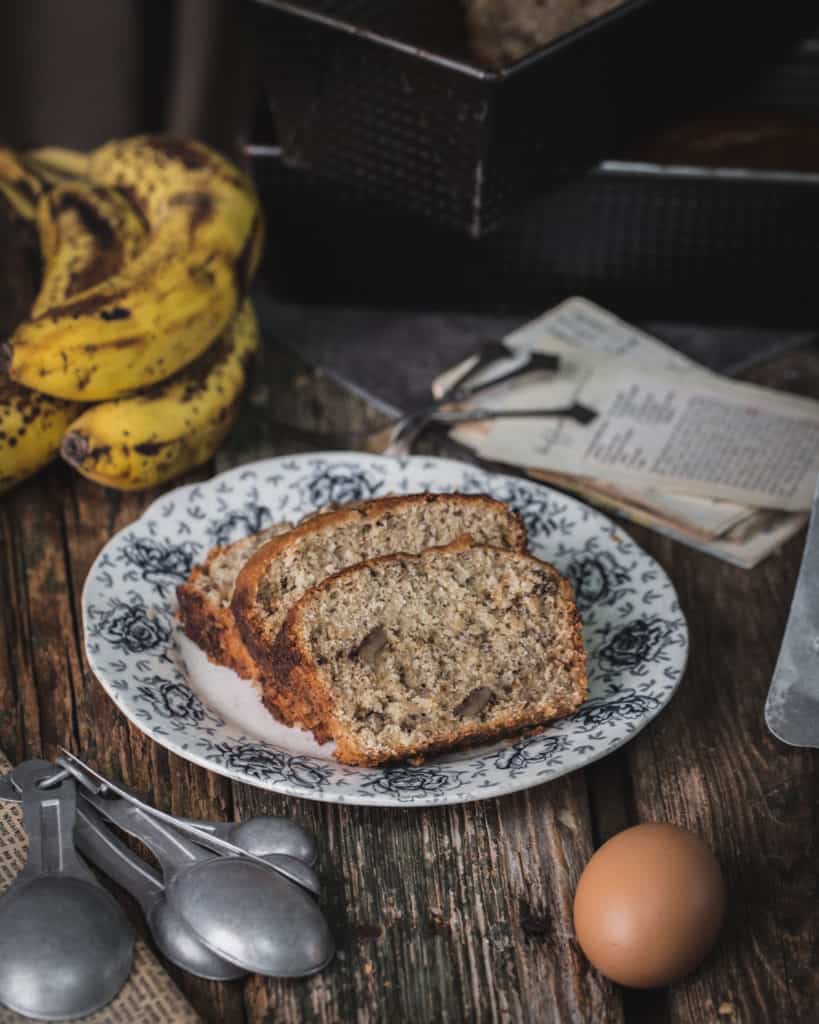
x=649, y=905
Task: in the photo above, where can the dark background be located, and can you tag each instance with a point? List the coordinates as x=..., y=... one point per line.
x=79, y=73
x=648, y=243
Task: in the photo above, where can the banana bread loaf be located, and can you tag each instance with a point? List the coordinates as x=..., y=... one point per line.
x=280, y=571
x=204, y=601
x=407, y=654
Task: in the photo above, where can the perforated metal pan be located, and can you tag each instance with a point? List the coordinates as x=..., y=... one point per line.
x=649, y=240
x=385, y=96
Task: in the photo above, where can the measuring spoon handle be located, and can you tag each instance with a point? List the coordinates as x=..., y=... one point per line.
x=99, y=844
x=48, y=817
x=8, y=791
x=295, y=870
x=171, y=849
x=220, y=829
x=157, y=829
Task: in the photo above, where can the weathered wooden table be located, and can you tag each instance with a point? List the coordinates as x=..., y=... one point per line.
x=464, y=913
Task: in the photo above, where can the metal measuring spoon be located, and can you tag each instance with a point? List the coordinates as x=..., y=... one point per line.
x=399, y=437
x=237, y=907
x=288, y=867
x=263, y=835
x=66, y=946
x=173, y=937
x=282, y=844
x=170, y=933
x=8, y=791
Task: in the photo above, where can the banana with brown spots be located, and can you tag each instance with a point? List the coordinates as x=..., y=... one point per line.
x=59, y=162
x=24, y=177
x=31, y=425
x=31, y=428
x=143, y=441
x=20, y=185
x=87, y=233
x=168, y=304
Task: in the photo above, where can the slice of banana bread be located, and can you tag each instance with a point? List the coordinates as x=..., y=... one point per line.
x=204, y=601
x=277, y=575
x=408, y=654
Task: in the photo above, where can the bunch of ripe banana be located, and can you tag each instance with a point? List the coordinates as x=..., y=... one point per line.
x=134, y=354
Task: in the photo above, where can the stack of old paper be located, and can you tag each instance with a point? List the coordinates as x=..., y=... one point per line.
x=724, y=466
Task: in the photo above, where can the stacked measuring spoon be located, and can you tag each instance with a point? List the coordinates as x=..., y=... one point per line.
x=232, y=898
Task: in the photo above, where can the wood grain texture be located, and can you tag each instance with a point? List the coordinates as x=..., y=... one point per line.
x=709, y=763
x=450, y=914
x=464, y=913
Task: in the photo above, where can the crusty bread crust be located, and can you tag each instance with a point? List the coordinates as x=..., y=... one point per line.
x=290, y=696
x=293, y=685
x=203, y=612
x=245, y=610
x=211, y=627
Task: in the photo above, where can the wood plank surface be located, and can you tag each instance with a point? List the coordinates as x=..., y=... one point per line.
x=464, y=913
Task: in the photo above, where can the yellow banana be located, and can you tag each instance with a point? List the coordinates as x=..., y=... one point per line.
x=31, y=174
x=31, y=425
x=168, y=304
x=24, y=177
x=145, y=440
x=31, y=428
x=87, y=234
x=15, y=172
x=22, y=205
x=59, y=162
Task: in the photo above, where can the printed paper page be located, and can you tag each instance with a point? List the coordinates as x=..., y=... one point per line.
x=707, y=436
x=577, y=326
x=756, y=542
x=573, y=328
x=697, y=434
x=701, y=517
x=748, y=551
x=580, y=324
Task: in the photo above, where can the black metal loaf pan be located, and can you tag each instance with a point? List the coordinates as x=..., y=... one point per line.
x=383, y=94
x=647, y=240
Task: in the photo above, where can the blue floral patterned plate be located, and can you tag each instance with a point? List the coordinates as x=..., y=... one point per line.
x=633, y=628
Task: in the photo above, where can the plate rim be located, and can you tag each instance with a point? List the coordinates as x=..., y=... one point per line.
x=463, y=795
